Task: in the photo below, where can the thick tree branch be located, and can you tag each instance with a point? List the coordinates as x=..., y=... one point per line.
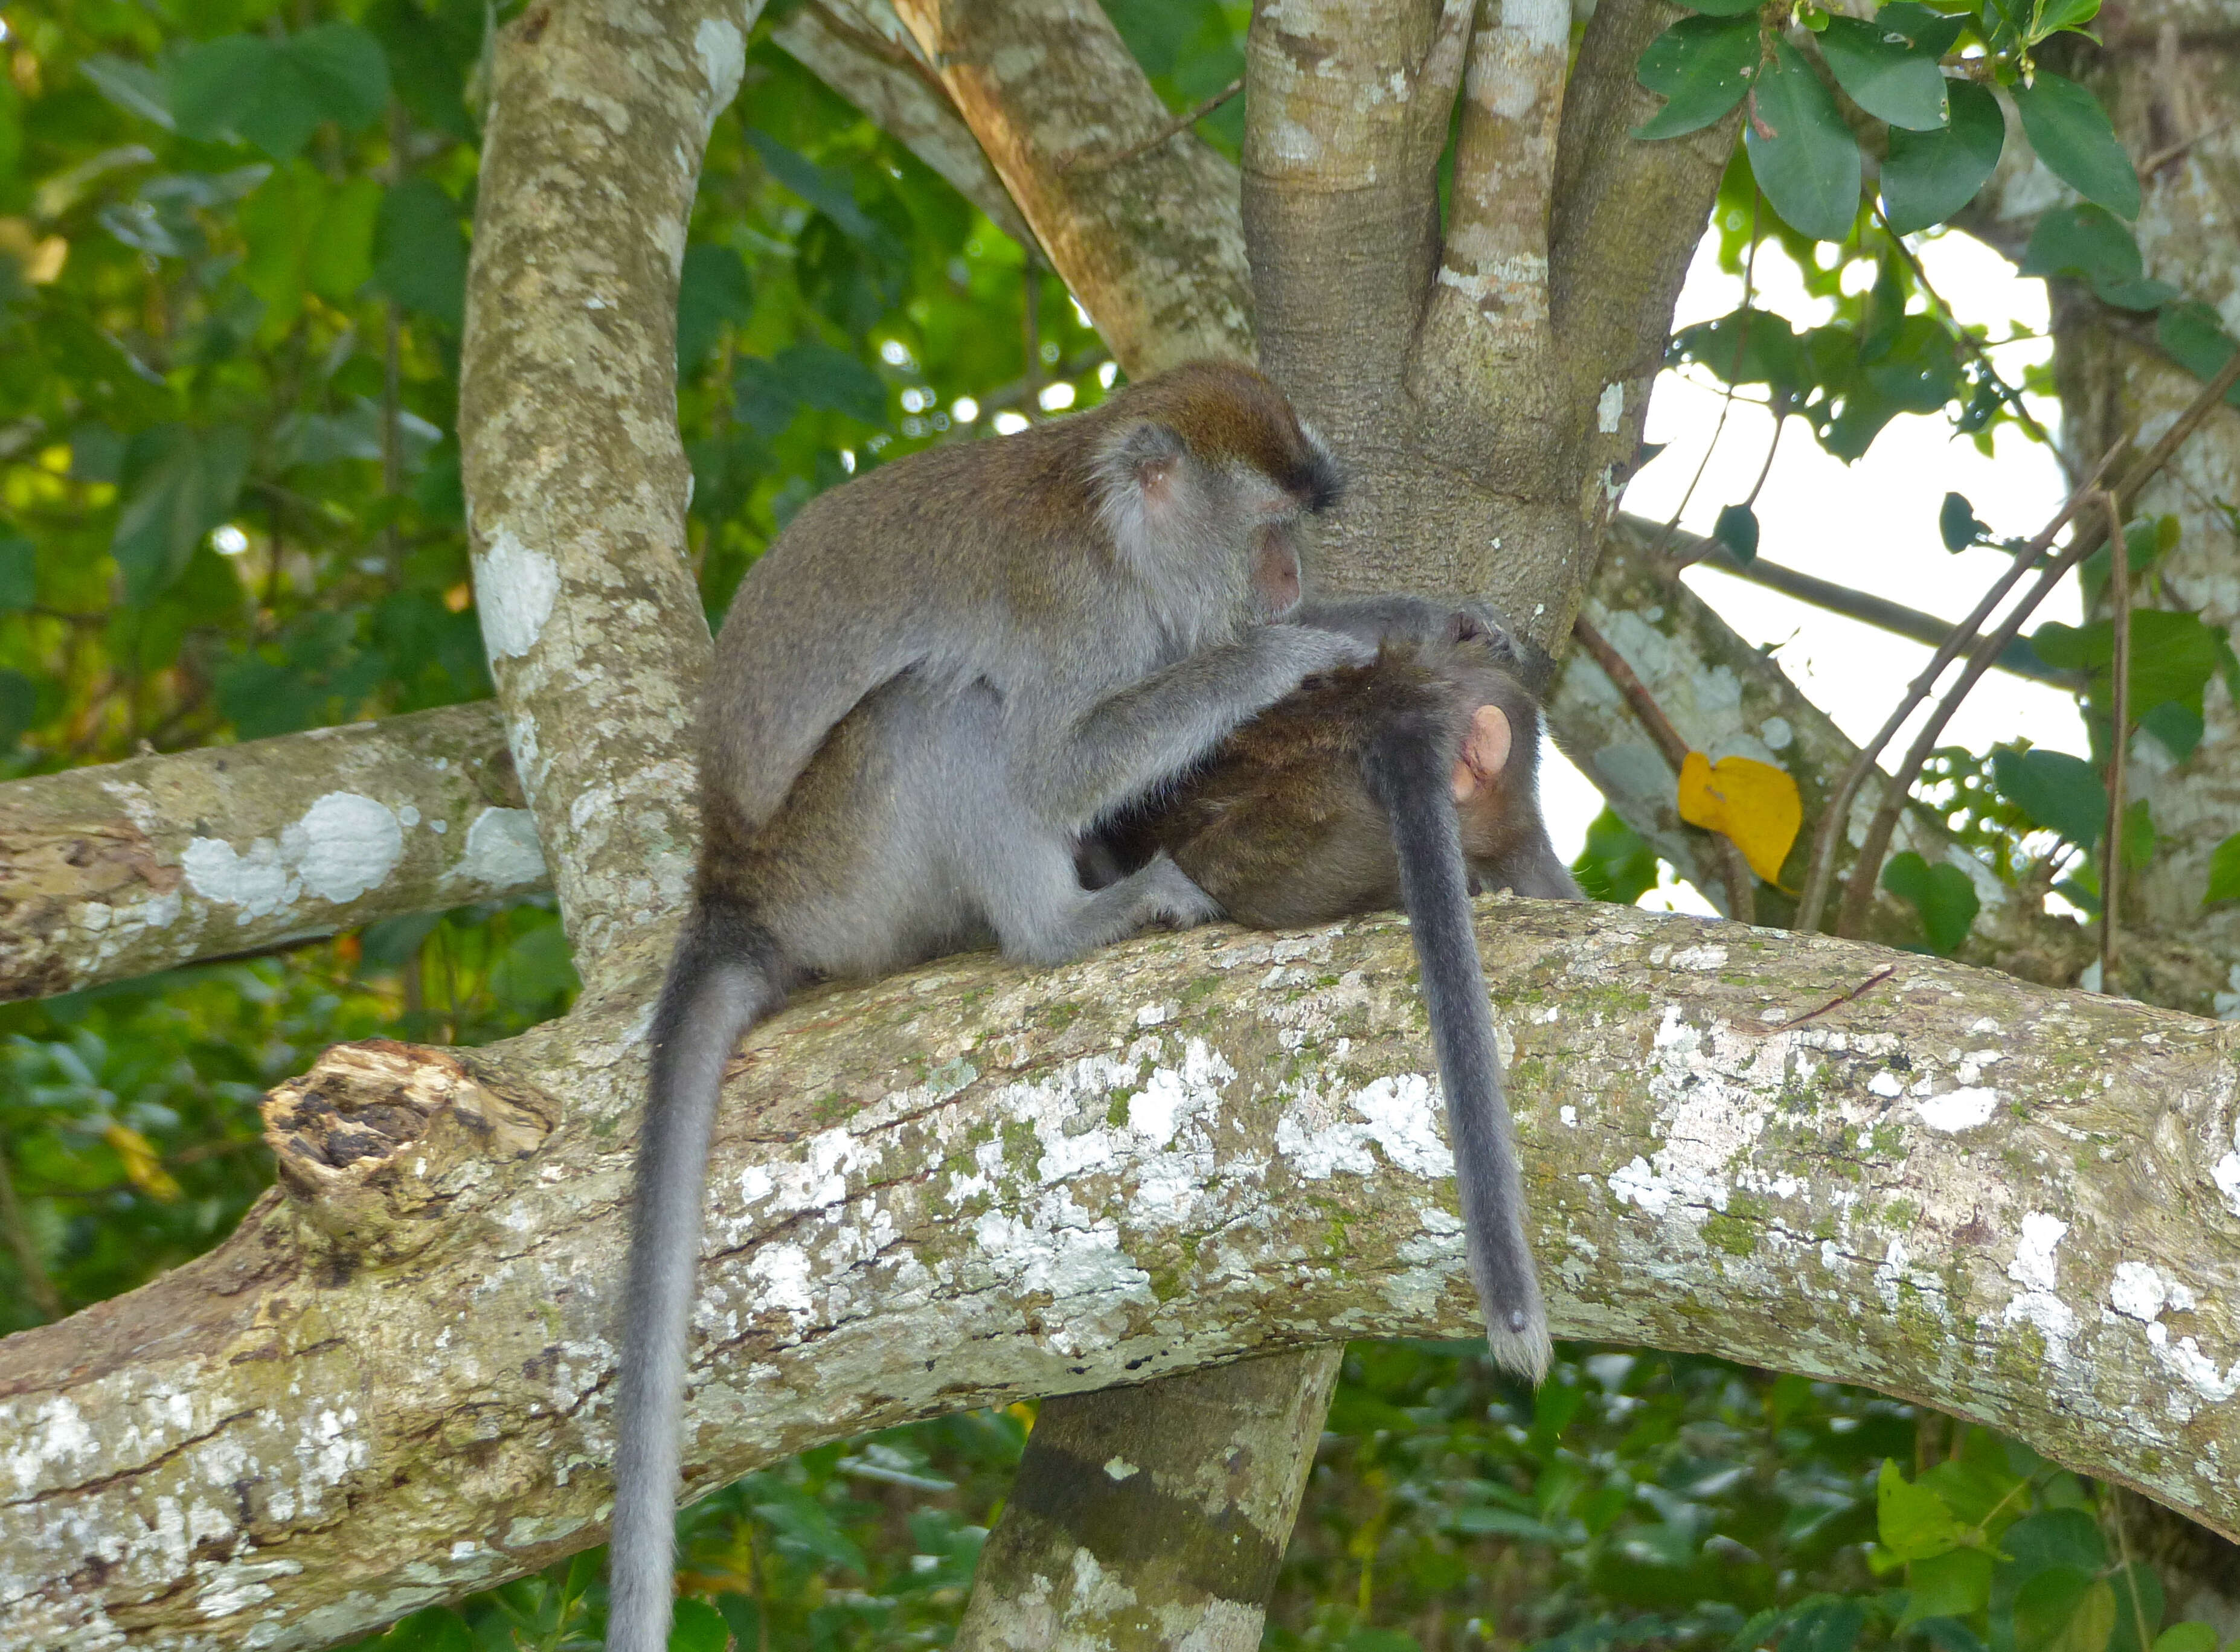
x=860, y=49
x=1150, y=247
x=130, y=868
x=391, y=1385
x=576, y=477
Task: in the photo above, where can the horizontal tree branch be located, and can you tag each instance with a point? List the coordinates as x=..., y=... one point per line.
x=965, y=1185
x=2019, y=660
x=130, y=868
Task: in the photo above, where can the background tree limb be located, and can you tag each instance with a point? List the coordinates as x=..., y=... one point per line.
x=130, y=868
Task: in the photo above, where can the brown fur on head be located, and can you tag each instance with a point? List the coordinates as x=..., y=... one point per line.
x=1278, y=825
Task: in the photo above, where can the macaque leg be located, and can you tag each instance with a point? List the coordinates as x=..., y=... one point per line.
x=1042, y=914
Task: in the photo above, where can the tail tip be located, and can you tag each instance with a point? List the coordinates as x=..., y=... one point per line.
x=1518, y=1341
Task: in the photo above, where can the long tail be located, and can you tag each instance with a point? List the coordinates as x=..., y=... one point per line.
x=1408, y=768
x=727, y=976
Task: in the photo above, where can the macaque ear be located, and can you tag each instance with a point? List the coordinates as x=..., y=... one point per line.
x=1146, y=457
x=1485, y=752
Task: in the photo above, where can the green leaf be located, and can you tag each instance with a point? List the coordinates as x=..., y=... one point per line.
x=821, y=376
x=1885, y=74
x=19, y=706
x=420, y=257
x=275, y=93
x=1956, y=523
x=178, y=483
x=19, y=572
x=2053, y=789
x=2091, y=243
x=1828, y=1626
x=209, y=85
x=1945, y=897
x=2072, y=134
x=1911, y=1520
x=1949, y=1635
x=697, y=1626
x=828, y=190
x=743, y=1613
x=1929, y=176
x=2058, y=1537
x=433, y=1630
x=1957, y=1584
x=1614, y=864
x=2138, y=1596
x=2196, y=339
x=1701, y=66
x=712, y=288
x=344, y=70
x=1747, y=347
x=2176, y=727
x=1737, y=531
x=1928, y=32
x=2054, y=16
x=134, y=88
x=2063, y=1609
x=2187, y=1637
x=1802, y=155
x=2224, y=872
x=1730, y=9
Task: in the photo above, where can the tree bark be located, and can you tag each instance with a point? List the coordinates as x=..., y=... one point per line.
x=1156, y=1515
x=963, y=1186
x=132, y=868
x=575, y=475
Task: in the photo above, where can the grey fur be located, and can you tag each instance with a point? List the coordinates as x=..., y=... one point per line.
x=929, y=689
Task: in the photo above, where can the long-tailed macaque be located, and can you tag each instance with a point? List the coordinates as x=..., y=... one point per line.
x=927, y=689
x=1411, y=781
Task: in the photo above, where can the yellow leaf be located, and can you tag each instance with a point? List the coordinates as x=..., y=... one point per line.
x=142, y=1163
x=1752, y=803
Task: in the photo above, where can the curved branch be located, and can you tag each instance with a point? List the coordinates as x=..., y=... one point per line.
x=391, y=1385
x=130, y=868
x=860, y=49
x=1151, y=248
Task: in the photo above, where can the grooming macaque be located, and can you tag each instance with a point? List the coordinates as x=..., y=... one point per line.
x=1411, y=781
x=926, y=691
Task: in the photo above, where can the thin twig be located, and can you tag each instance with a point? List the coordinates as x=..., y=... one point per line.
x=1860, y=891
x=2162, y=158
x=2111, y=859
x=1780, y=424
x=1820, y=872
x=1874, y=980
x=1734, y=868
x=1074, y=160
x=1866, y=608
x=39, y=1288
x=2010, y=394
x=1727, y=396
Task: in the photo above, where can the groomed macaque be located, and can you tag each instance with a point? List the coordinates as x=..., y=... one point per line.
x=927, y=689
x=1409, y=782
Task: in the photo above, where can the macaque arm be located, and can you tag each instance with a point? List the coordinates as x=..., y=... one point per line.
x=1155, y=729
